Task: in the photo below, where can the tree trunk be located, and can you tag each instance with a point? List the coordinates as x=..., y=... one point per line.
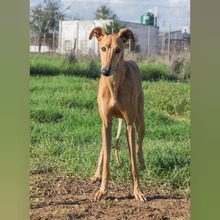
x=39, y=42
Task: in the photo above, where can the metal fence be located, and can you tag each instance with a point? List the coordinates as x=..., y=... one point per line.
x=169, y=32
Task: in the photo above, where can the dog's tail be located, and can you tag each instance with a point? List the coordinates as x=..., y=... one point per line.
x=117, y=139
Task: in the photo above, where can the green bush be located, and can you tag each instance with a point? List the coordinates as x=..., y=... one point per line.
x=155, y=71
x=44, y=65
x=151, y=69
x=180, y=65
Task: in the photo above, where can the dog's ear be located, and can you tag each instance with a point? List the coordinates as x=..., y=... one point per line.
x=98, y=32
x=126, y=34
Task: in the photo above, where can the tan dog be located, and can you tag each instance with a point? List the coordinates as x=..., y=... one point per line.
x=120, y=95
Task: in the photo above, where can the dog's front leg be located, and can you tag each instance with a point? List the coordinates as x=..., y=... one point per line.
x=106, y=149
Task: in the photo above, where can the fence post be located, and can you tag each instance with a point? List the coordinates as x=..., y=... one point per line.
x=60, y=35
x=148, y=41
x=44, y=39
x=77, y=37
x=169, y=44
x=53, y=43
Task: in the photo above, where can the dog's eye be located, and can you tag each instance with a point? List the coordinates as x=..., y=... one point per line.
x=103, y=49
x=118, y=50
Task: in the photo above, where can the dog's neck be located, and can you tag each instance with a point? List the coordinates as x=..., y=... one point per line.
x=113, y=82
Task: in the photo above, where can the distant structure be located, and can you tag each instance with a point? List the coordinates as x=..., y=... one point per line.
x=150, y=18
x=178, y=40
x=73, y=36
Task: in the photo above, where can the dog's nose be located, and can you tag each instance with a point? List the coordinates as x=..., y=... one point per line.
x=106, y=72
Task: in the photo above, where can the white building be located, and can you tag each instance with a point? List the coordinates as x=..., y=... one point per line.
x=74, y=36
x=35, y=49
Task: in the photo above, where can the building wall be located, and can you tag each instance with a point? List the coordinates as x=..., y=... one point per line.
x=44, y=49
x=164, y=37
x=176, y=37
x=147, y=37
x=74, y=36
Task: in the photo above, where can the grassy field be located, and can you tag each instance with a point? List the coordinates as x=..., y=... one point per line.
x=66, y=131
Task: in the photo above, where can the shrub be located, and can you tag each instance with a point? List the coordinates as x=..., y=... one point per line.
x=180, y=65
x=44, y=65
x=155, y=71
x=152, y=69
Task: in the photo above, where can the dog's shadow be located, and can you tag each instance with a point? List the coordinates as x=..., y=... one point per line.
x=120, y=198
x=149, y=199
x=152, y=198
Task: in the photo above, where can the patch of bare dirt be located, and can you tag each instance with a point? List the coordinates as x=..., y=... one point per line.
x=63, y=197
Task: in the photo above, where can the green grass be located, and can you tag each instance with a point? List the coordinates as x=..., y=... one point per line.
x=66, y=131
x=155, y=71
x=45, y=65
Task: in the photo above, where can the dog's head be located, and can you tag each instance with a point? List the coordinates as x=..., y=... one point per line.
x=111, y=47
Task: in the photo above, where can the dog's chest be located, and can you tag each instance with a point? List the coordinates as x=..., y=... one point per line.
x=116, y=108
x=114, y=98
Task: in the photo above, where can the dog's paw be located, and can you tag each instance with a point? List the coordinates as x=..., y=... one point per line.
x=95, y=179
x=99, y=195
x=139, y=195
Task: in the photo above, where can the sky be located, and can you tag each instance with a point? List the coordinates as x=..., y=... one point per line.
x=172, y=14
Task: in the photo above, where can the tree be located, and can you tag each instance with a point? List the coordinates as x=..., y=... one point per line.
x=114, y=27
x=44, y=19
x=104, y=13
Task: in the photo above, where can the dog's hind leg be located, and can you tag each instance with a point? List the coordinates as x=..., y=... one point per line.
x=139, y=123
x=139, y=150
x=135, y=177
x=98, y=173
x=117, y=140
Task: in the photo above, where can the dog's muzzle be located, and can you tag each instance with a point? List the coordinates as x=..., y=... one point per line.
x=106, y=72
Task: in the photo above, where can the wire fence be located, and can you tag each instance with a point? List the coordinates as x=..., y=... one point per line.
x=166, y=32
x=162, y=34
